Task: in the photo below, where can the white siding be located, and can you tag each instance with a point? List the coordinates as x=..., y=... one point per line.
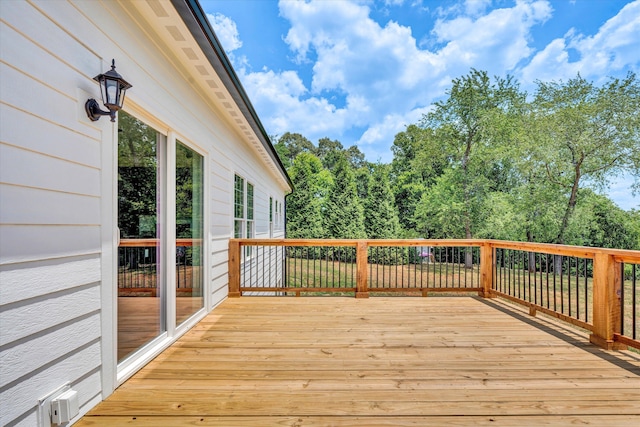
x=49, y=217
x=57, y=187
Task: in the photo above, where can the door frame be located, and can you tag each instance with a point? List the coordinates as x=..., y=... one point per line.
x=113, y=373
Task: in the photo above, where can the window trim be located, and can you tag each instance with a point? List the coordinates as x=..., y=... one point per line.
x=271, y=216
x=246, y=221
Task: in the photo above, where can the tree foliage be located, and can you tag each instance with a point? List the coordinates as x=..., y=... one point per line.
x=304, y=206
x=485, y=162
x=585, y=133
x=343, y=215
x=466, y=126
x=380, y=215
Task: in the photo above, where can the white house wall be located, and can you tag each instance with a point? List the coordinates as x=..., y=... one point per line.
x=57, y=186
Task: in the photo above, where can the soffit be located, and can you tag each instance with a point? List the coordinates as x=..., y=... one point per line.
x=172, y=34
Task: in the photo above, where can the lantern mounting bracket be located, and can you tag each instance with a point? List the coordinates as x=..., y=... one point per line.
x=94, y=112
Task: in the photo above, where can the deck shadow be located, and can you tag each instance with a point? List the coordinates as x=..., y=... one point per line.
x=558, y=330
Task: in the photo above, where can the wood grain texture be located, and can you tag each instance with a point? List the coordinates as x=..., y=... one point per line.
x=377, y=362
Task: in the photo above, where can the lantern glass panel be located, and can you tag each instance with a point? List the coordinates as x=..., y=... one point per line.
x=111, y=92
x=122, y=94
x=103, y=92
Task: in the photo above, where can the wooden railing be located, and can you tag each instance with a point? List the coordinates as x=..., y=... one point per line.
x=137, y=267
x=579, y=285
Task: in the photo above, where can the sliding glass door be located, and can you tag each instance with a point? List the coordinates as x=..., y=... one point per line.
x=160, y=272
x=189, y=232
x=141, y=294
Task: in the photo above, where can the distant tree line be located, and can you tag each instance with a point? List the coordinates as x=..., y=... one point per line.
x=488, y=161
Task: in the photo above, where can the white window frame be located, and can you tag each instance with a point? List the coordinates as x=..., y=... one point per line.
x=271, y=216
x=244, y=225
x=279, y=215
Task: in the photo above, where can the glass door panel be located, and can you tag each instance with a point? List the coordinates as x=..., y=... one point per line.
x=189, y=232
x=140, y=291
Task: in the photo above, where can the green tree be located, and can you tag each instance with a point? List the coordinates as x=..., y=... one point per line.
x=415, y=165
x=328, y=151
x=468, y=128
x=304, y=205
x=362, y=176
x=502, y=220
x=535, y=200
x=443, y=211
x=634, y=225
x=290, y=145
x=343, y=213
x=584, y=134
x=356, y=157
x=380, y=216
x=598, y=222
x=137, y=175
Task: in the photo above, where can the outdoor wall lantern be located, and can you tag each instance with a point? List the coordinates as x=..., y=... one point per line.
x=112, y=90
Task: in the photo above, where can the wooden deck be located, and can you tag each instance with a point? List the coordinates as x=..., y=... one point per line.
x=437, y=361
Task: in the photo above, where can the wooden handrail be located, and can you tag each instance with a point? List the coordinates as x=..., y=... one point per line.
x=627, y=258
x=550, y=248
x=354, y=242
x=607, y=280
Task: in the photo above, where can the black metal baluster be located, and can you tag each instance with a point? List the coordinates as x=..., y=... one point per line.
x=569, y=284
x=546, y=268
x=634, y=299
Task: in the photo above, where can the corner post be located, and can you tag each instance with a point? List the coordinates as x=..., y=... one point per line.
x=606, y=302
x=362, y=287
x=234, y=269
x=486, y=269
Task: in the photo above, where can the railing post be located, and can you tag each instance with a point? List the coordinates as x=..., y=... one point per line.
x=234, y=269
x=362, y=287
x=606, y=301
x=486, y=269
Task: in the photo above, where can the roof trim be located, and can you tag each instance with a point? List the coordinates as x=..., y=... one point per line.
x=196, y=21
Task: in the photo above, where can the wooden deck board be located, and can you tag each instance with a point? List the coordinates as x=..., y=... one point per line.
x=377, y=362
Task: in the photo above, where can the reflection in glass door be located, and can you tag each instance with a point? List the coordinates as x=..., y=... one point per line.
x=189, y=232
x=141, y=310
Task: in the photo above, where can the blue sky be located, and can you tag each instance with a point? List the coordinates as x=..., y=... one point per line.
x=360, y=71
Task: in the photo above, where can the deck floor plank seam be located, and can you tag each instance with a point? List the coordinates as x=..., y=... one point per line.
x=401, y=361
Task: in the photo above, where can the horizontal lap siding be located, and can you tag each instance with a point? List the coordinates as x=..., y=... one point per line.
x=51, y=184
x=264, y=269
x=221, y=202
x=220, y=208
x=50, y=216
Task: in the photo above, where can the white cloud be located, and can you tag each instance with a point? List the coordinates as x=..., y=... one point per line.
x=380, y=70
x=615, y=47
x=552, y=63
x=384, y=131
x=226, y=31
x=356, y=56
x=374, y=77
x=494, y=42
x=476, y=7
x=280, y=98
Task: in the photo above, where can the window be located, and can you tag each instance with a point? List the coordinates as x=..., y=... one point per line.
x=270, y=216
x=238, y=208
x=190, y=232
x=278, y=214
x=250, y=221
x=243, y=212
